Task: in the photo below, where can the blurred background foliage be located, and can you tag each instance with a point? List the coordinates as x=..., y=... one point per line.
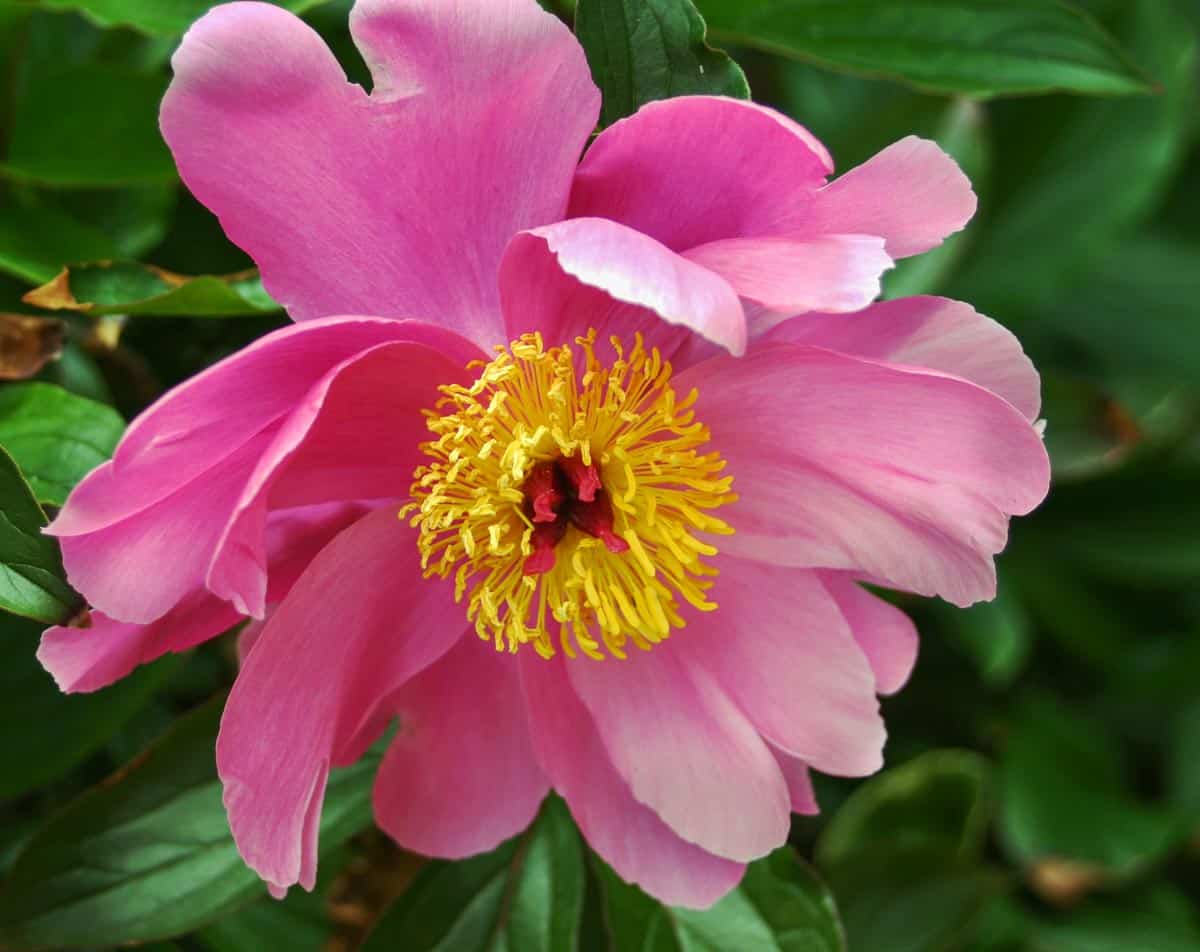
x=1043, y=787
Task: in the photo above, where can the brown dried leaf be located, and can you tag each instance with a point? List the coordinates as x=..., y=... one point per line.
x=27, y=343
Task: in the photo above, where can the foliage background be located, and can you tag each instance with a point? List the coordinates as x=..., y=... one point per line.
x=1043, y=787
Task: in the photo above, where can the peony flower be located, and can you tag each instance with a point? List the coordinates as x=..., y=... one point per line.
x=586, y=499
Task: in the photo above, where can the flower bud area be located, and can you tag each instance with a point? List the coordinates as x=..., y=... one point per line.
x=570, y=501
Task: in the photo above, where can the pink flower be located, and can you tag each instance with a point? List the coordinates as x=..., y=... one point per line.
x=666, y=556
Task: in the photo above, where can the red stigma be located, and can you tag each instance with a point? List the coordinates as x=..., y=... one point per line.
x=564, y=492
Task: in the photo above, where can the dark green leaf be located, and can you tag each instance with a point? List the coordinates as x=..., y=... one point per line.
x=938, y=801
x=31, y=573
x=527, y=896
x=89, y=125
x=38, y=239
x=128, y=287
x=169, y=18
x=996, y=635
x=976, y=47
x=44, y=732
x=1157, y=920
x=643, y=50
x=1063, y=800
x=1098, y=170
x=56, y=437
x=299, y=923
x=149, y=854
x=781, y=905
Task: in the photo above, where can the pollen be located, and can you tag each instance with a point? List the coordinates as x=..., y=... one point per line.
x=571, y=501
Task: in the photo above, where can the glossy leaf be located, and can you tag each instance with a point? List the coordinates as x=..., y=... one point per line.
x=149, y=854
x=642, y=50
x=526, y=895
x=31, y=573
x=56, y=437
x=781, y=905
x=976, y=47
x=129, y=287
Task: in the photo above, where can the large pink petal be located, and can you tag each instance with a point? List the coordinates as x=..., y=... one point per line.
x=634, y=269
x=886, y=635
x=932, y=332
x=460, y=776
x=686, y=750
x=906, y=476
x=695, y=169
x=358, y=624
x=826, y=273
x=396, y=203
x=912, y=193
x=354, y=436
x=781, y=649
x=629, y=836
x=87, y=659
x=799, y=781
x=199, y=424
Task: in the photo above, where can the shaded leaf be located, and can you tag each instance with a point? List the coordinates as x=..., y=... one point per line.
x=27, y=343
x=129, y=287
x=781, y=905
x=31, y=573
x=1065, y=814
x=976, y=47
x=148, y=854
x=643, y=50
x=996, y=635
x=527, y=895
x=89, y=125
x=44, y=732
x=299, y=923
x=38, y=239
x=154, y=16
x=1155, y=920
x=57, y=438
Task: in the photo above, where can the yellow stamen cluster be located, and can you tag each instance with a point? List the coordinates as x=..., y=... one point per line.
x=531, y=404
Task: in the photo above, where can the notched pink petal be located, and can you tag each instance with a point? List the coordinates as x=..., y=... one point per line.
x=886, y=635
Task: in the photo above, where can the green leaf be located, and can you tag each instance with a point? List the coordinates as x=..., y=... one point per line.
x=996, y=635
x=38, y=239
x=527, y=896
x=89, y=125
x=154, y=16
x=1063, y=799
x=975, y=47
x=1154, y=920
x=781, y=905
x=31, y=573
x=298, y=922
x=643, y=50
x=148, y=854
x=129, y=287
x=56, y=437
x=44, y=732
x=939, y=801
x=1091, y=172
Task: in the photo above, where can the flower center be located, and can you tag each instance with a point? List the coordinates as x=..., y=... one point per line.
x=567, y=500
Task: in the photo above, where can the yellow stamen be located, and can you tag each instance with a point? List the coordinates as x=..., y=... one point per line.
x=531, y=405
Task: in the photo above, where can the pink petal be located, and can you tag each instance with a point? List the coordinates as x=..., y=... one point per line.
x=631, y=268
x=799, y=782
x=695, y=169
x=399, y=202
x=197, y=425
x=780, y=648
x=826, y=273
x=536, y=294
x=902, y=475
x=911, y=193
x=629, y=836
x=460, y=776
x=355, y=435
x=686, y=751
x=885, y=634
x=87, y=659
x=359, y=623
x=138, y=569
x=931, y=332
